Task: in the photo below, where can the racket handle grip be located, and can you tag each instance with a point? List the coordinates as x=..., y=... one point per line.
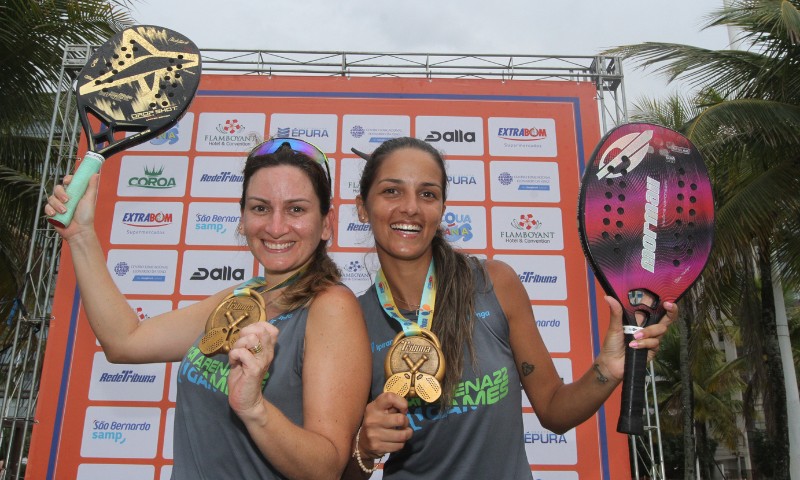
x=77, y=187
x=633, y=392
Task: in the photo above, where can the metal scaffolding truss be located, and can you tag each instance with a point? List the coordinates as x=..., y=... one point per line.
x=605, y=72
x=21, y=362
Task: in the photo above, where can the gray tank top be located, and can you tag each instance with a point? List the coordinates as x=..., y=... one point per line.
x=210, y=441
x=481, y=436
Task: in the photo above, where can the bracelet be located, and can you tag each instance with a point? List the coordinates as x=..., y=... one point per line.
x=357, y=456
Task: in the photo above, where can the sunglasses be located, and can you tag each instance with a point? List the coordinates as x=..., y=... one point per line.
x=300, y=146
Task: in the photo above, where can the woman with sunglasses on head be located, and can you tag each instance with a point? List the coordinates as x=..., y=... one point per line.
x=455, y=340
x=256, y=399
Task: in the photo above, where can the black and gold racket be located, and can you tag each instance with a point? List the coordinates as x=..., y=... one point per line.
x=135, y=86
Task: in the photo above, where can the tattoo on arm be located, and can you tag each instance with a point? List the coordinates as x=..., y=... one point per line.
x=527, y=369
x=600, y=377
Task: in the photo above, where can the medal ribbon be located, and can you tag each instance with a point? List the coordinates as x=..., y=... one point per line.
x=258, y=283
x=427, y=302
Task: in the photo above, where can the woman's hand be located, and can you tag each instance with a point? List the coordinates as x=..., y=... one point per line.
x=385, y=428
x=250, y=358
x=83, y=220
x=611, y=360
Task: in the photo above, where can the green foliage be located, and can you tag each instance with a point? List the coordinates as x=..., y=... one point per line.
x=746, y=122
x=32, y=41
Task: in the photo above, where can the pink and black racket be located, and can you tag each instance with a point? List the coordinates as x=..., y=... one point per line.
x=135, y=86
x=646, y=223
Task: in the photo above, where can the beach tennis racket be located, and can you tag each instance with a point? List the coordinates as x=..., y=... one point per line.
x=135, y=86
x=646, y=224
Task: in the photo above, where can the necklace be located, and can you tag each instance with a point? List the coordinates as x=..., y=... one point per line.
x=413, y=306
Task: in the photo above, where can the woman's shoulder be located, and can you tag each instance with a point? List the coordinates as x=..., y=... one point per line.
x=334, y=301
x=500, y=273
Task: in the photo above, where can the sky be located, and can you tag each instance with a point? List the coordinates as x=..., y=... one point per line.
x=531, y=27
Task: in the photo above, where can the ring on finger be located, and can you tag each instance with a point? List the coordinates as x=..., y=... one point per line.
x=256, y=349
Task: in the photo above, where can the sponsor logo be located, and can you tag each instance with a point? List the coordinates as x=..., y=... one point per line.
x=543, y=437
x=152, y=179
x=146, y=220
x=526, y=222
x=141, y=273
x=526, y=182
x=678, y=149
x=118, y=96
x=222, y=177
x=127, y=376
x=533, y=277
x=114, y=431
x=357, y=131
x=156, y=111
x=462, y=180
x=230, y=127
x=457, y=136
x=469, y=395
x=650, y=220
x=121, y=269
x=523, y=230
x=222, y=273
x=549, y=322
x=409, y=347
x=531, y=134
x=214, y=222
x=170, y=137
x=141, y=314
x=291, y=132
x=355, y=270
x=231, y=135
x=359, y=227
x=364, y=131
x=457, y=227
x=629, y=151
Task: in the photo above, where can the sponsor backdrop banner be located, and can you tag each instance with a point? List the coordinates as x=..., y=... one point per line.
x=167, y=217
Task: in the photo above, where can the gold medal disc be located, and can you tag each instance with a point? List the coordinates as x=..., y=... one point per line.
x=411, y=359
x=233, y=313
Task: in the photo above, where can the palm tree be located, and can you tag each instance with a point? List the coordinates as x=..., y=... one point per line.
x=713, y=384
x=751, y=139
x=32, y=40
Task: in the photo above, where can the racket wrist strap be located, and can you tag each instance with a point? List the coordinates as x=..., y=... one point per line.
x=630, y=329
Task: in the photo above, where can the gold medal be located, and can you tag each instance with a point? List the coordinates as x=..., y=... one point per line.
x=414, y=366
x=233, y=313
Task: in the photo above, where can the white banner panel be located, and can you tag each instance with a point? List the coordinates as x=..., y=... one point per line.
x=522, y=137
x=206, y=272
x=544, y=276
x=143, y=271
x=465, y=227
x=366, y=132
x=527, y=228
x=120, y=432
x=124, y=382
x=318, y=129
x=153, y=223
x=230, y=132
x=213, y=223
x=524, y=182
x=176, y=139
x=96, y=471
x=152, y=176
x=452, y=135
x=466, y=180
